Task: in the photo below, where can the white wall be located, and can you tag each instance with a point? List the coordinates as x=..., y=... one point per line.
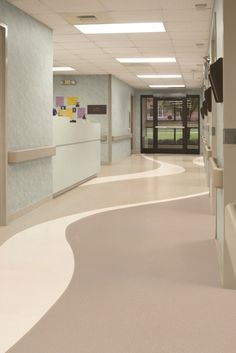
x=77, y=152
x=91, y=89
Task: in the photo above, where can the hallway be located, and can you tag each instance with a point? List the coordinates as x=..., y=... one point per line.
x=139, y=273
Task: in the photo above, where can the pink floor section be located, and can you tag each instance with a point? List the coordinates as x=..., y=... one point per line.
x=146, y=281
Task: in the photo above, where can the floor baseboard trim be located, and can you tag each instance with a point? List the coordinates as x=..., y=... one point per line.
x=63, y=191
x=28, y=209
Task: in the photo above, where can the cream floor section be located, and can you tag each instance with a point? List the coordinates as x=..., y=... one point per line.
x=36, y=267
x=162, y=169
x=97, y=196
x=19, y=317
x=141, y=284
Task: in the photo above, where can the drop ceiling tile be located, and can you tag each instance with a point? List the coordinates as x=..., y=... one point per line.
x=137, y=16
x=31, y=6
x=122, y=51
x=50, y=20
x=64, y=30
x=113, y=44
x=194, y=35
x=182, y=4
x=149, y=36
x=165, y=67
x=69, y=38
x=137, y=67
x=107, y=37
x=131, y=5
x=92, y=52
x=187, y=26
x=185, y=15
x=73, y=5
x=162, y=52
x=79, y=45
x=178, y=43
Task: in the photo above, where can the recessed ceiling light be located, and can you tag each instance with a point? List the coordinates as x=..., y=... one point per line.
x=145, y=60
x=166, y=86
x=159, y=76
x=60, y=68
x=122, y=28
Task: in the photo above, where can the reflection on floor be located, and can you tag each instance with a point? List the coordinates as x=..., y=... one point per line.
x=90, y=197
x=46, y=258
x=162, y=169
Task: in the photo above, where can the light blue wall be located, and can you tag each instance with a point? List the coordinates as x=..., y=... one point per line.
x=91, y=89
x=121, y=109
x=139, y=93
x=29, y=102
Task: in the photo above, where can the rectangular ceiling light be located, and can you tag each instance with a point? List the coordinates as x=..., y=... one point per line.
x=60, y=68
x=145, y=60
x=159, y=76
x=166, y=86
x=149, y=27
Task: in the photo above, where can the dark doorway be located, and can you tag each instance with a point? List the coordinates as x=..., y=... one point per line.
x=170, y=125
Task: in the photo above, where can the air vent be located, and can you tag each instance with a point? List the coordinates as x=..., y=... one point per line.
x=199, y=45
x=201, y=6
x=87, y=17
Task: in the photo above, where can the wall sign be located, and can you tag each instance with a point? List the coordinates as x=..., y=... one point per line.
x=97, y=109
x=68, y=82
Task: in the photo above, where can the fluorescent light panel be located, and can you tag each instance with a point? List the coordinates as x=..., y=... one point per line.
x=159, y=76
x=145, y=60
x=149, y=27
x=60, y=68
x=166, y=86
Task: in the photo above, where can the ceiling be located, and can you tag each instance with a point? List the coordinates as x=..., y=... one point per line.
x=186, y=37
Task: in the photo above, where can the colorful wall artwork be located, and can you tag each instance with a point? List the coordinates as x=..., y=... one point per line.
x=71, y=110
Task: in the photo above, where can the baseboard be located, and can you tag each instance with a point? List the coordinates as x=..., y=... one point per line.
x=105, y=163
x=27, y=209
x=220, y=261
x=63, y=191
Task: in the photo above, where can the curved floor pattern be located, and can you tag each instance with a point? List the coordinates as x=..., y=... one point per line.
x=38, y=264
x=199, y=161
x=138, y=287
x=162, y=169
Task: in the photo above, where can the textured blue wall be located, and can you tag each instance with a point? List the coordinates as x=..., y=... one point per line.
x=29, y=102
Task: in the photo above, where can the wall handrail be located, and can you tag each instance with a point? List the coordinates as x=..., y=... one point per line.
x=117, y=137
x=122, y=137
x=229, y=279
x=217, y=174
x=78, y=142
x=30, y=154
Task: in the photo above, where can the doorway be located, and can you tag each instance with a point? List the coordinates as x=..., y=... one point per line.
x=3, y=142
x=170, y=125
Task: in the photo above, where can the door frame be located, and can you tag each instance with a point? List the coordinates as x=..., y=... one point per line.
x=3, y=125
x=185, y=149
x=169, y=150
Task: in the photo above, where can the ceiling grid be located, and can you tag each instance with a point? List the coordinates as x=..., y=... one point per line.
x=186, y=37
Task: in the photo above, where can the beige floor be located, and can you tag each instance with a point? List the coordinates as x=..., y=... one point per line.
x=91, y=197
x=145, y=280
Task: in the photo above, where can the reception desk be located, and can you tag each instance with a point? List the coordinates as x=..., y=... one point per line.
x=77, y=156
